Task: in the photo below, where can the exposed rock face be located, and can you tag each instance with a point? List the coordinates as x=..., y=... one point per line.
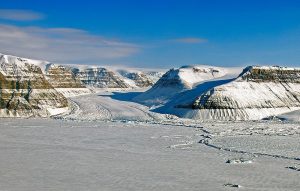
x=24, y=90
x=65, y=81
x=178, y=80
x=120, y=78
x=101, y=78
x=257, y=93
x=39, y=88
x=62, y=77
x=272, y=74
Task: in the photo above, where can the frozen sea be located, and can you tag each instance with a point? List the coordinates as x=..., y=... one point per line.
x=134, y=149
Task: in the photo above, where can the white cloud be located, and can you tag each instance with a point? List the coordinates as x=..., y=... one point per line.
x=190, y=40
x=66, y=45
x=20, y=15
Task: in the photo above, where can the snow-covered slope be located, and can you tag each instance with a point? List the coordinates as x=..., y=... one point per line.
x=24, y=90
x=178, y=80
x=136, y=78
x=259, y=92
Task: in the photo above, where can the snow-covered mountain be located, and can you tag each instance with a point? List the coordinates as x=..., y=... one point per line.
x=258, y=92
x=106, y=77
x=178, y=80
x=24, y=90
x=39, y=88
x=72, y=80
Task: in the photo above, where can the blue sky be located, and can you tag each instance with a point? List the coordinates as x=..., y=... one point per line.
x=156, y=33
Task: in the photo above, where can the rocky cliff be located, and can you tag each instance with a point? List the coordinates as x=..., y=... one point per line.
x=24, y=90
x=62, y=77
x=65, y=81
x=101, y=78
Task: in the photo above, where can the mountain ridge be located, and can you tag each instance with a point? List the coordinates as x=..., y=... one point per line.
x=258, y=92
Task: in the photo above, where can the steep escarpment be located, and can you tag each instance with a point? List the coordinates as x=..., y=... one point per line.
x=271, y=74
x=178, y=80
x=24, y=90
x=257, y=93
x=120, y=78
x=101, y=78
x=65, y=81
x=62, y=77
